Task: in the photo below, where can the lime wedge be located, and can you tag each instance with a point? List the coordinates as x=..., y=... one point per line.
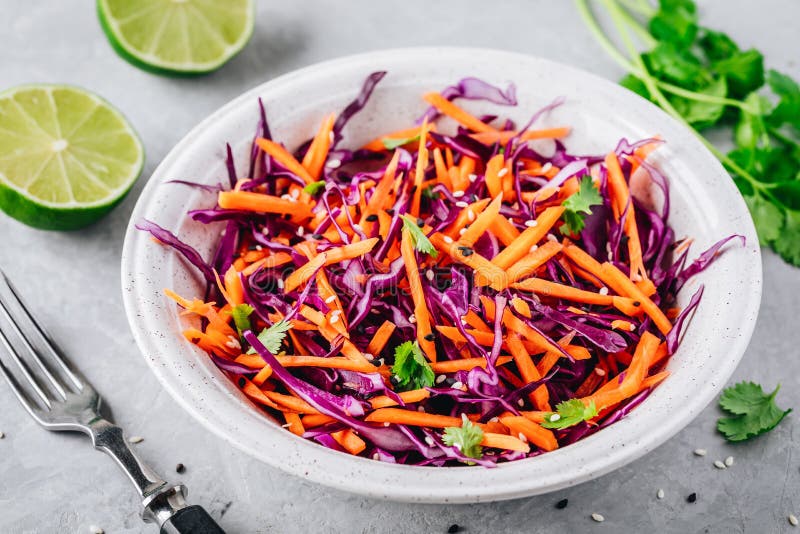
x=177, y=36
x=66, y=156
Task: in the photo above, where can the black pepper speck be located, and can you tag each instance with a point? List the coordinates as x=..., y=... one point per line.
x=691, y=498
x=562, y=504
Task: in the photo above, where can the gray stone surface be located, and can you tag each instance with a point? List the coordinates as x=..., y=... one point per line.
x=57, y=483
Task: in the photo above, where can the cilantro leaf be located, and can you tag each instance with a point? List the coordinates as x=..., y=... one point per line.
x=768, y=218
x=314, y=187
x=569, y=413
x=411, y=370
x=467, y=438
x=580, y=203
x=636, y=85
x=717, y=45
x=418, y=237
x=669, y=63
x=702, y=114
x=754, y=412
x=788, y=109
x=789, y=244
x=391, y=144
x=675, y=22
x=750, y=130
x=273, y=336
x=241, y=317
x=744, y=72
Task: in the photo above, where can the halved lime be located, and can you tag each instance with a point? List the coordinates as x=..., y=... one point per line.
x=66, y=156
x=177, y=36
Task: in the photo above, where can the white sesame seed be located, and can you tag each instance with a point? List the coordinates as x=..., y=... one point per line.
x=94, y=529
x=458, y=194
x=334, y=164
x=793, y=520
x=440, y=379
x=546, y=167
x=729, y=461
x=2, y=436
x=386, y=424
x=700, y=452
x=532, y=223
x=429, y=274
x=379, y=361
x=259, y=248
x=412, y=319
x=457, y=385
x=334, y=319
x=551, y=237
x=522, y=437
x=599, y=518
x=502, y=172
x=135, y=439
x=286, y=197
x=603, y=290
x=494, y=420
x=660, y=494
x=286, y=425
x=632, y=327
x=420, y=408
x=336, y=313
x=462, y=231
x=470, y=215
x=511, y=220
x=472, y=177
x=610, y=256
x=295, y=193
x=301, y=230
x=600, y=371
x=331, y=137
x=281, y=283
x=447, y=239
x=534, y=248
x=368, y=356
x=636, y=277
x=265, y=230
x=222, y=233
x=521, y=402
x=555, y=417
x=429, y=441
x=719, y=464
x=330, y=299
x=232, y=343
x=462, y=204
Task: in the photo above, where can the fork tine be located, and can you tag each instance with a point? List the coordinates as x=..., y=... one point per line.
x=24, y=368
x=44, y=339
x=19, y=392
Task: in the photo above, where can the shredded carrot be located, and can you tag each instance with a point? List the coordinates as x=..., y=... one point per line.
x=303, y=274
x=541, y=437
x=249, y=201
x=455, y=112
x=504, y=441
x=380, y=338
x=490, y=138
x=423, y=320
x=531, y=236
x=349, y=441
x=317, y=152
x=284, y=158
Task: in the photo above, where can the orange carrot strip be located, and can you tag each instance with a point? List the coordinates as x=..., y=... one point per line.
x=457, y=113
x=541, y=437
x=419, y=172
x=275, y=260
x=532, y=235
x=253, y=392
x=413, y=418
x=349, y=441
x=420, y=306
x=546, y=288
x=621, y=200
x=259, y=202
x=482, y=222
x=317, y=152
x=233, y=284
x=333, y=362
x=376, y=145
x=303, y=274
x=263, y=375
x=442, y=175
x=465, y=364
x=490, y=138
x=504, y=441
x=492, y=175
x=380, y=338
x=535, y=416
x=282, y=156
x=348, y=252
x=294, y=422
x=486, y=273
x=528, y=264
x=621, y=324
x=316, y=419
x=463, y=217
x=620, y=283
x=290, y=402
x=504, y=230
x=540, y=397
x=409, y=397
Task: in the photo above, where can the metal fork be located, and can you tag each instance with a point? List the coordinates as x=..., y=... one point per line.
x=63, y=400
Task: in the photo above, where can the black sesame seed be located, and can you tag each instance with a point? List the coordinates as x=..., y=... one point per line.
x=394, y=380
x=420, y=222
x=390, y=211
x=242, y=381
x=562, y=504
x=287, y=216
x=453, y=529
x=466, y=251
x=180, y=468
x=371, y=218
x=317, y=236
x=413, y=190
x=637, y=303
x=691, y=498
x=430, y=337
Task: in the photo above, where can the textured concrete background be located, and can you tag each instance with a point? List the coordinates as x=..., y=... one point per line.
x=57, y=483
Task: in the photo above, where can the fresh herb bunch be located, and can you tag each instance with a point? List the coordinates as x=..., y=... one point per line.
x=704, y=79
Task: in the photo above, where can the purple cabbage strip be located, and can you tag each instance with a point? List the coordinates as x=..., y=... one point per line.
x=188, y=252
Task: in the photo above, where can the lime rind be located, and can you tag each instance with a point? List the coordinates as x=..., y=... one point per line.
x=157, y=65
x=60, y=213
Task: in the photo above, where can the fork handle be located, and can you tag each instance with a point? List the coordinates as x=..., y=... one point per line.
x=191, y=520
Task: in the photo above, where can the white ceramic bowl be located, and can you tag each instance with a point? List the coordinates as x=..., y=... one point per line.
x=705, y=205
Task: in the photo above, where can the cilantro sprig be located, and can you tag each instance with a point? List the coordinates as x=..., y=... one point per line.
x=391, y=144
x=569, y=413
x=314, y=187
x=753, y=412
x=418, y=237
x=703, y=79
x=241, y=317
x=579, y=204
x=411, y=370
x=466, y=438
x=272, y=337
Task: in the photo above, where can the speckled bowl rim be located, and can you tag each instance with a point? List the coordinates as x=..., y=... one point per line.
x=201, y=390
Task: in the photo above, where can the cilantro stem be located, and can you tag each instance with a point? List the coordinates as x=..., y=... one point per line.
x=782, y=137
x=642, y=7
x=602, y=39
